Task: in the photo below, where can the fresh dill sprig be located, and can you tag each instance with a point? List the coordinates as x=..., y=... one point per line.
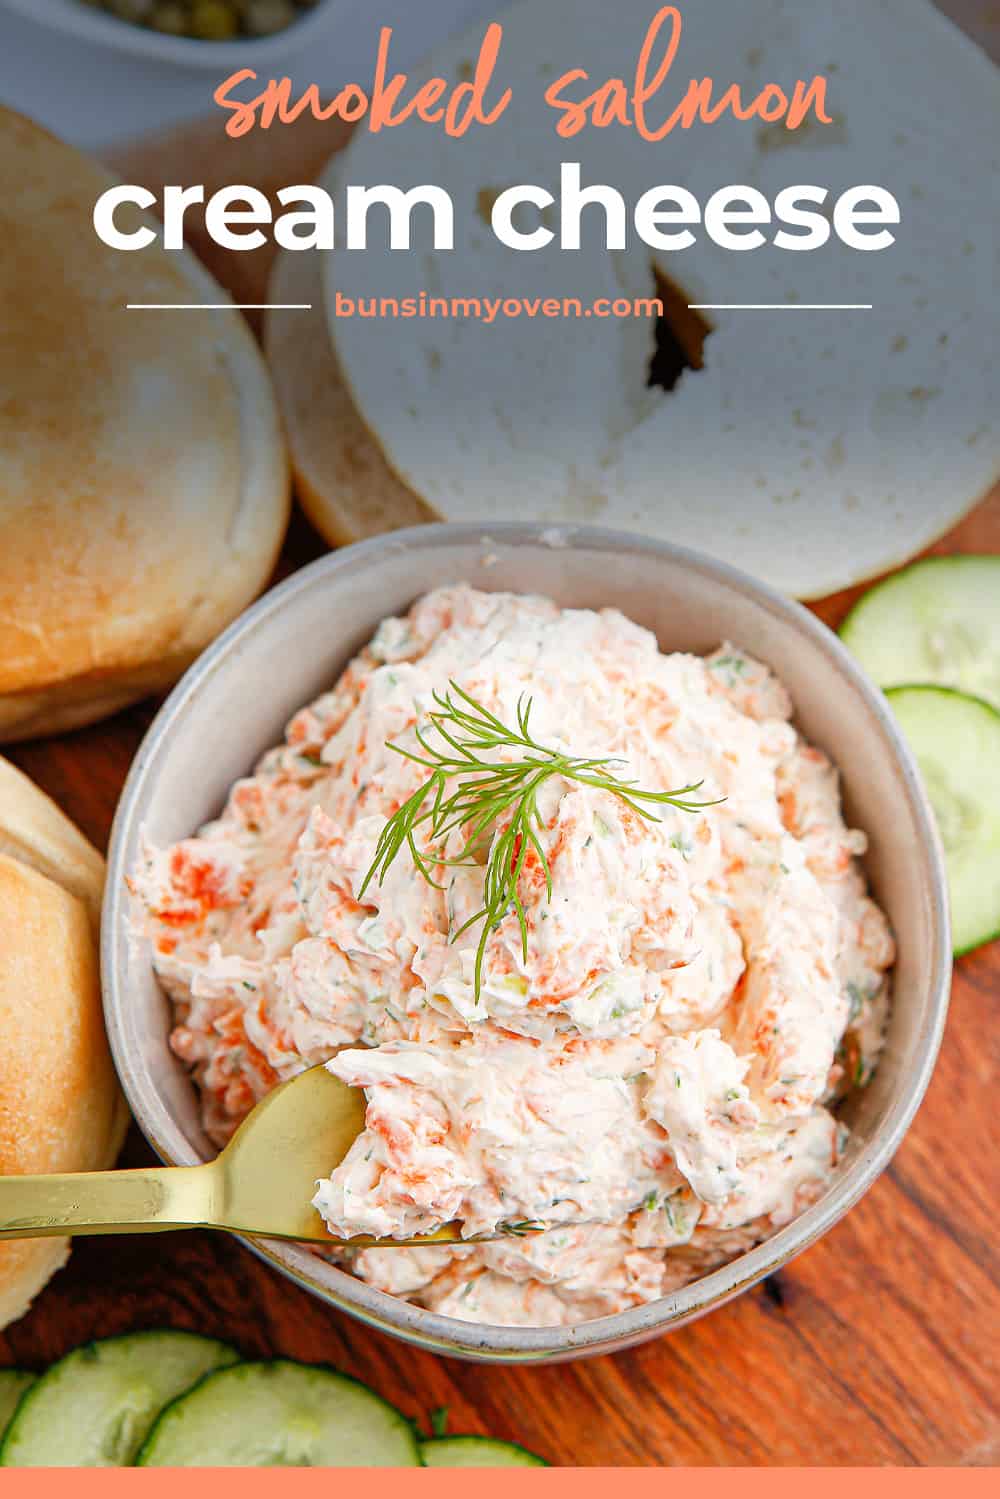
x=464, y=790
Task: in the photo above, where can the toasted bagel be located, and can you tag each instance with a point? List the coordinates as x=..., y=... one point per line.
x=342, y=479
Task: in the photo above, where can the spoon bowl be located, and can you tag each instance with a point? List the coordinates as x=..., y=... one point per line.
x=262, y=1183
x=295, y=1136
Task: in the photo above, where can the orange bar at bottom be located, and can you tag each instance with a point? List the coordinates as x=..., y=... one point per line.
x=574, y=1483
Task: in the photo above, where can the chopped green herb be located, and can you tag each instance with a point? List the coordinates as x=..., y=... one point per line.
x=674, y=1212
x=522, y=1229
x=732, y=666
x=856, y=996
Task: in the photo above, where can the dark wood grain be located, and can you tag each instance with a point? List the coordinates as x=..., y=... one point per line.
x=878, y=1346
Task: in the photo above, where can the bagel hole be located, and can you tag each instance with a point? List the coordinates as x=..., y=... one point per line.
x=679, y=335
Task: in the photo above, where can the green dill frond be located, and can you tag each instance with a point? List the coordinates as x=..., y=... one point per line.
x=467, y=792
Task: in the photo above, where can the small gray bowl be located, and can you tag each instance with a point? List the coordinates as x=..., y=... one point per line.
x=234, y=702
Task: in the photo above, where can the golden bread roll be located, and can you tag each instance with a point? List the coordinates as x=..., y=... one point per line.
x=35, y=832
x=144, y=486
x=60, y=1106
x=342, y=479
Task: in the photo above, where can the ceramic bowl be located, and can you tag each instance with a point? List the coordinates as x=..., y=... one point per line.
x=102, y=28
x=234, y=702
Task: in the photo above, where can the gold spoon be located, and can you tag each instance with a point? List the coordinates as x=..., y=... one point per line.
x=262, y=1183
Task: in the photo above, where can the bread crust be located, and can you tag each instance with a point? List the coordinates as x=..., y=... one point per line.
x=144, y=484
x=35, y=832
x=60, y=1108
x=342, y=478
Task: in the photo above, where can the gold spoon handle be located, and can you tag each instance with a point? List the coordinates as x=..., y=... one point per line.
x=161, y=1198
x=108, y=1202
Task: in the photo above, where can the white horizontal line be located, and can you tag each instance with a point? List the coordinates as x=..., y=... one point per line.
x=780, y=306
x=217, y=306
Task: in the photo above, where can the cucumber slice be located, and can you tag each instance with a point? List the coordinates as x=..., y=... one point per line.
x=937, y=621
x=956, y=741
x=94, y=1408
x=13, y=1383
x=477, y=1452
x=280, y=1415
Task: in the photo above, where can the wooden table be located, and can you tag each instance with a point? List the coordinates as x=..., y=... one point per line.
x=879, y=1345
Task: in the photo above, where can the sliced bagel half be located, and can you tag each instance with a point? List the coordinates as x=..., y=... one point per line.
x=342, y=479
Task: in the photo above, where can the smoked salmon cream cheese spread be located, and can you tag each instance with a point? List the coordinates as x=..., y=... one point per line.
x=649, y=1055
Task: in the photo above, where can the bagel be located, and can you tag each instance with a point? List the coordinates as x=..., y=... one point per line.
x=342, y=480
x=144, y=486
x=60, y=1106
x=813, y=448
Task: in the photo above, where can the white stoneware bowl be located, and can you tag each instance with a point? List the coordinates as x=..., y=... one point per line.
x=103, y=29
x=234, y=702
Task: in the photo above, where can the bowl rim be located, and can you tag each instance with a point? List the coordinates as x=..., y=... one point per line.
x=487, y=1341
x=73, y=19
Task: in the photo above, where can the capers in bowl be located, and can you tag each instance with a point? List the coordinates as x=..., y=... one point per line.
x=207, y=20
